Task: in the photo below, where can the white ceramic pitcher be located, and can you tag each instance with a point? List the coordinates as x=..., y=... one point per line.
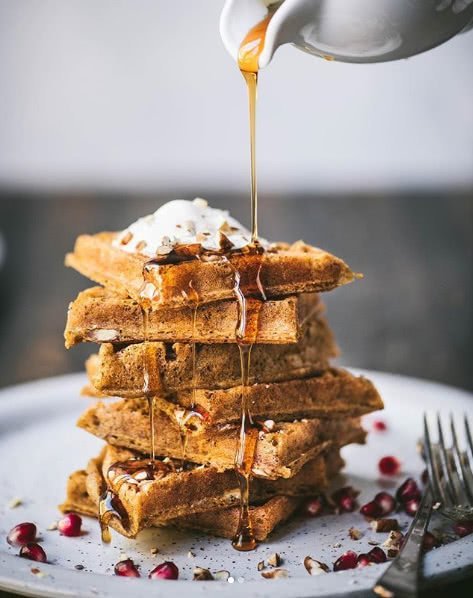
x=347, y=30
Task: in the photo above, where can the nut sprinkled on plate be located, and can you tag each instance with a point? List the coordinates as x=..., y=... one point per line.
x=393, y=543
x=383, y=592
x=355, y=534
x=384, y=525
x=274, y=560
x=201, y=574
x=191, y=555
x=154, y=550
x=315, y=567
x=275, y=574
x=260, y=566
x=222, y=575
x=52, y=526
x=15, y=502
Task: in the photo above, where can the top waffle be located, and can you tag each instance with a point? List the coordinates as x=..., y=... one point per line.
x=283, y=270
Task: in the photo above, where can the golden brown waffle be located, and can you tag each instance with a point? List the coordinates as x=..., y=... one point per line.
x=286, y=270
x=279, y=453
x=334, y=393
x=181, y=497
x=119, y=371
x=98, y=315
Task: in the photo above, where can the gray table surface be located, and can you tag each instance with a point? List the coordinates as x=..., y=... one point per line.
x=411, y=314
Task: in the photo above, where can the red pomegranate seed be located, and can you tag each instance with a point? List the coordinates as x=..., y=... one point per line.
x=363, y=560
x=389, y=465
x=70, y=525
x=379, y=425
x=348, y=560
x=313, y=507
x=411, y=506
x=463, y=528
x=430, y=541
x=386, y=502
x=166, y=570
x=126, y=568
x=33, y=552
x=345, y=499
x=371, y=509
x=22, y=534
x=377, y=555
x=408, y=490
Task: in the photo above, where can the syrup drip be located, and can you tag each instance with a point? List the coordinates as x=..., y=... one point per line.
x=132, y=471
x=250, y=295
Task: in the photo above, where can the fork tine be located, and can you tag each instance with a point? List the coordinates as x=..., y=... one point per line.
x=460, y=466
x=445, y=465
x=434, y=478
x=469, y=440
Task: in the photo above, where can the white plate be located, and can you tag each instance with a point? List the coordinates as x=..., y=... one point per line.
x=40, y=446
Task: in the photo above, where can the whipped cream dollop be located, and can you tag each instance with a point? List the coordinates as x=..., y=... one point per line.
x=183, y=222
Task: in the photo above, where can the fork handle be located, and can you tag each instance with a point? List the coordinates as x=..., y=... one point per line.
x=401, y=579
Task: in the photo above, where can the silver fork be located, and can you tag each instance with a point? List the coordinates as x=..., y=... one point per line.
x=450, y=489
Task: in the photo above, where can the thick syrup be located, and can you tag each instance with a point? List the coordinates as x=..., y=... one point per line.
x=249, y=293
x=132, y=471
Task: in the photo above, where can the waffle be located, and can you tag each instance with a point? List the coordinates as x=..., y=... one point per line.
x=334, y=393
x=119, y=371
x=97, y=315
x=279, y=453
x=189, y=499
x=285, y=270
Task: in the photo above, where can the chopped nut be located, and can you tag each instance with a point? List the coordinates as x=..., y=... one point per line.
x=384, y=525
x=38, y=572
x=383, y=592
x=315, y=567
x=393, y=543
x=222, y=575
x=355, y=534
x=336, y=545
x=269, y=425
x=261, y=566
x=191, y=555
x=127, y=237
x=163, y=250
x=274, y=560
x=15, y=502
x=103, y=335
x=374, y=542
x=141, y=245
x=275, y=574
x=154, y=550
x=52, y=526
x=201, y=574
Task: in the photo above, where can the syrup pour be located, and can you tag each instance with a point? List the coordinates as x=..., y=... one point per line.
x=250, y=295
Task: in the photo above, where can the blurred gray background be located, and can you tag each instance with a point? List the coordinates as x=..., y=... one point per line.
x=109, y=108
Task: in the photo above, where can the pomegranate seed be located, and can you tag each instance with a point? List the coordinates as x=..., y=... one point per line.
x=377, y=555
x=166, y=570
x=411, y=506
x=430, y=541
x=345, y=499
x=386, y=502
x=70, y=525
x=33, y=552
x=379, y=425
x=314, y=507
x=126, y=568
x=408, y=490
x=389, y=465
x=22, y=534
x=371, y=509
x=364, y=560
x=463, y=528
x=348, y=560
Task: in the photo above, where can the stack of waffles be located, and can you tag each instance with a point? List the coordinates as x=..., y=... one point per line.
x=212, y=386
